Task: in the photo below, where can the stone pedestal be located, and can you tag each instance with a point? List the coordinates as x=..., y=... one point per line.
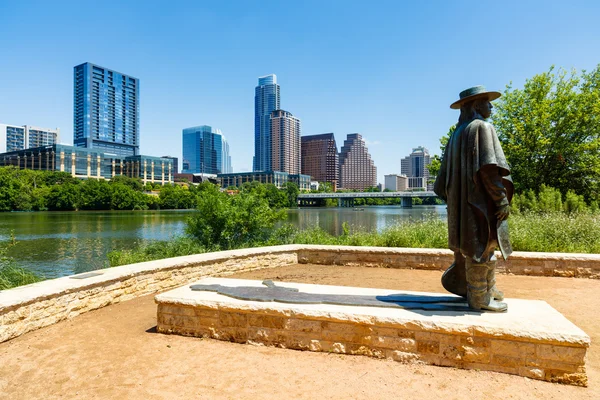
x=532, y=339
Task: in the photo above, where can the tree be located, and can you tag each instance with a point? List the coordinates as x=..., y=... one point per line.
x=292, y=191
x=134, y=183
x=64, y=197
x=227, y=222
x=436, y=161
x=125, y=198
x=95, y=195
x=550, y=132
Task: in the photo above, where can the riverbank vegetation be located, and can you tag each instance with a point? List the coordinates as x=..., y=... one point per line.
x=10, y=274
x=541, y=222
x=32, y=190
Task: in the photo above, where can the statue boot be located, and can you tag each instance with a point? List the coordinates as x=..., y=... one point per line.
x=478, y=295
x=454, y=278
x=491, y=281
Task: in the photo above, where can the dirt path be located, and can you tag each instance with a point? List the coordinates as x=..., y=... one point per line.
x=114, y=353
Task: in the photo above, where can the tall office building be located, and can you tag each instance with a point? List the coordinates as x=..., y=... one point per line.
x=266, y=100
x=414, y=167
x=285, y=142
x=357, y=170
x=320, y=158
x=106, y=110
x=14, y=138
x=205, y=150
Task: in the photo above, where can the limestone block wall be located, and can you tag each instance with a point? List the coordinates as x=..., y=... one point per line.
x=519, y=263
x=469, y=348
x=31, y=307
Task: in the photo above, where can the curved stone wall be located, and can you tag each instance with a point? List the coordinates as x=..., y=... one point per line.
x=31, y=307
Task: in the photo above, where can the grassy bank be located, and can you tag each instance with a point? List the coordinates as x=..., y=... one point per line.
x=10, y=275
x=553, y=232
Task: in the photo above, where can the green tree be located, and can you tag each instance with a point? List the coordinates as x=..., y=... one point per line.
x=95, y=195
x=64, y=197
x=174, y=197
x=134, y=183
x=9, y=188
x=125, y=198
x=550, y=132
x=227, y=222
x=291, y=192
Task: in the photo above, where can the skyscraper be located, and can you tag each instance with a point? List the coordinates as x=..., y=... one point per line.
x=414, y=167
x=357, y=170
x=106, y=110
x=14, y=138
x=205, y=150
x=285, y=142
x=266, y=100
x=320, y=158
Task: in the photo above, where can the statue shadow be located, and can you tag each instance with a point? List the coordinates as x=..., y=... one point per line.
x=429, y=305
x=423, y=304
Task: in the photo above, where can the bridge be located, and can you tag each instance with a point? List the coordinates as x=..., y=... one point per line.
x=346, y=199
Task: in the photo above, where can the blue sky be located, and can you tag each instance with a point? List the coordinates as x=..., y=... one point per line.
x=386, y=69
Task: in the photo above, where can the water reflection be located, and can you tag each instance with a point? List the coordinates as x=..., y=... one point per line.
x=364, y=218
x=55, y=244
x=58, y=244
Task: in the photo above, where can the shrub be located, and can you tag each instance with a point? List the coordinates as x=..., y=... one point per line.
x=11, y=275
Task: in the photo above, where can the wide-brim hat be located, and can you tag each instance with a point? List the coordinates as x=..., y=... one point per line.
x=473, y=93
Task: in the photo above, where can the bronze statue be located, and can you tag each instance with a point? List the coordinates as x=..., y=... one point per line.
x=474, y=180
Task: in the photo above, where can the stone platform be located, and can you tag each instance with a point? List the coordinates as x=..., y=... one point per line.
x=532, y=339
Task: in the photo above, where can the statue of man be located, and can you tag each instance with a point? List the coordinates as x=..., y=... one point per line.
x=474, y=180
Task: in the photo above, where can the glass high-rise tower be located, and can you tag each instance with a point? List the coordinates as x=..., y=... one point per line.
x=266, y=100
x=205, y=150
x=106, y=110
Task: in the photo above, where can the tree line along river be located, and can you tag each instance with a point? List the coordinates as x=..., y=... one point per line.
x=54, y=244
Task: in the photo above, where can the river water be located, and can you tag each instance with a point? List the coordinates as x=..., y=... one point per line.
x=54, y=244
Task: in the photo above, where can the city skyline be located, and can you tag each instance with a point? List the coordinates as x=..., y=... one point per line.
x=391, y=77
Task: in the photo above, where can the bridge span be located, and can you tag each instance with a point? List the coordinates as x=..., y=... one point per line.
x=346, y=199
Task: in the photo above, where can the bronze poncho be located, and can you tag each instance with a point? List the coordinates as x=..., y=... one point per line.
x=474, y=180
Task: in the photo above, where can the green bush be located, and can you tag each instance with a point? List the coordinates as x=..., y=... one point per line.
x=557, y=232
x=224, y=222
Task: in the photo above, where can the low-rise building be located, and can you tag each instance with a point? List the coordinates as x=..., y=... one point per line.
x=396, y=183
x=277, y=178
x=85, y=163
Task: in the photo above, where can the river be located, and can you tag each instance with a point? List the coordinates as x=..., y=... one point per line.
x=54, y=244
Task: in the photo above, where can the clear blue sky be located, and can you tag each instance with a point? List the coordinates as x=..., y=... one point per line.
x=386, y=69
